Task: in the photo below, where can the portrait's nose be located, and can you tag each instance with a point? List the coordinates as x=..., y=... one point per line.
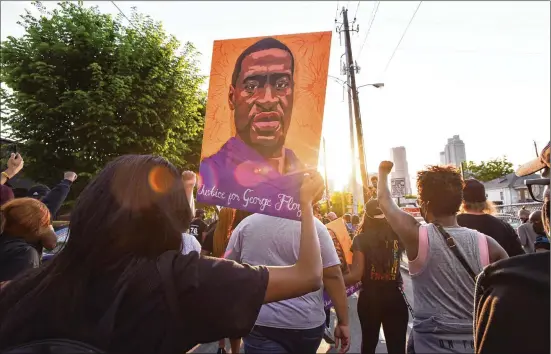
x=267, y=99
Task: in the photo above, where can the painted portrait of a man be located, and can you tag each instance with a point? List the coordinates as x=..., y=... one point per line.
x=253, y=169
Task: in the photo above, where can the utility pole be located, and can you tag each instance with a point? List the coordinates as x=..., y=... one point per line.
x=359, y=129
x=326, y=181
x=353, y=160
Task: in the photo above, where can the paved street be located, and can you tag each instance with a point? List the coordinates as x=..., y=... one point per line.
x=354, y=327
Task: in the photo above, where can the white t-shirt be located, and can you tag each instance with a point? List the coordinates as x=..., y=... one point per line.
x=267, y=240
x=190, y=243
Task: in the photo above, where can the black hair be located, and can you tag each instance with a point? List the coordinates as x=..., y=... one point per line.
x=441, y=188
x=133, y=211
x=377, y=239
x=263, y=44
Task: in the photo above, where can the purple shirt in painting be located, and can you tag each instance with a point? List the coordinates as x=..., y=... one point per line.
x=239, y=177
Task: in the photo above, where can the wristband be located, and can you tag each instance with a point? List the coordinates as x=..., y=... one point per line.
x=5, y=175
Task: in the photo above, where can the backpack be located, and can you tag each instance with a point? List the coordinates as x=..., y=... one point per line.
x=107, y=322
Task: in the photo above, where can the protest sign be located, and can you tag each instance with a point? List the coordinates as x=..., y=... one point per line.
x=338, y=230
x=341, y=233
x=263, y=121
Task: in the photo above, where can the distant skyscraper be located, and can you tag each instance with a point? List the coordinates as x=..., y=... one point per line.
x=401, y=170
x=454, y=152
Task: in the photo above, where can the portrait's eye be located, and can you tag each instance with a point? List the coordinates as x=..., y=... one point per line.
x=282, y=84
x=251, y=86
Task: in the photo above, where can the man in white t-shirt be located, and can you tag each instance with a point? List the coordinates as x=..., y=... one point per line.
x=295, y=325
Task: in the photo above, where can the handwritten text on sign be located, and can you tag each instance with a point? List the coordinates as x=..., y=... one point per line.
x=248, y=198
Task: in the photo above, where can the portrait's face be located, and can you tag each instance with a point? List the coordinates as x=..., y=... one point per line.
x=262, y=99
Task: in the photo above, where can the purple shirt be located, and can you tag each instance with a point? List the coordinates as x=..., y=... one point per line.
x=239, y=177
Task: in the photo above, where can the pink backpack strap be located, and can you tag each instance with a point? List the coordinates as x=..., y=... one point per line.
x=417, y=265
x=483, y=249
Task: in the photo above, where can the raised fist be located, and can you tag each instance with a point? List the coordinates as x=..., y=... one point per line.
x=190, y=178
x=312, y=188
x=385, y=167
x=71, y=176
x=15, y=164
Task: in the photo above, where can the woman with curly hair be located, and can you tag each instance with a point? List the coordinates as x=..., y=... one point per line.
x=444, y=259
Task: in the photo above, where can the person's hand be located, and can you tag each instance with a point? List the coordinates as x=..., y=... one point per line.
x=342, y=338
x=15, y=164
x=312, y=187
x=190, y=178
x=385, y=167
x=71, y=176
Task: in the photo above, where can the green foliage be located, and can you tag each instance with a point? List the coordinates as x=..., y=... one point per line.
x=338, y=201
x=488, y=170
x=87, y=88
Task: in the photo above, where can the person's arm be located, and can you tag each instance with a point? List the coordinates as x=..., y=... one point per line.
x=306, y=275
x=55, y=198
x=403, y=224
x=356, y=269
x=15, y=164
x=334, y=285
x=190, y=179
x=495, y=251
x=514, y=248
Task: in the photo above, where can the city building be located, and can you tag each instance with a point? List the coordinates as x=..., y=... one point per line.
x=454, y=152
x=401, y=170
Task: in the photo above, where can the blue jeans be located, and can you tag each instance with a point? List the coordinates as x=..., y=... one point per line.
x=277, y=340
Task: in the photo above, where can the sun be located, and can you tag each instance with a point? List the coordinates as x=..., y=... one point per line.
x=338, y=170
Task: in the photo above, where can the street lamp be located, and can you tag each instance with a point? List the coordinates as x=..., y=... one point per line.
x=377, y=85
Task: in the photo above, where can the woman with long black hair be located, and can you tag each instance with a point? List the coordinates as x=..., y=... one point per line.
x=121, y=284
x=376, y=262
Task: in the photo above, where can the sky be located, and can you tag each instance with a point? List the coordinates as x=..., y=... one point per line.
x=476, y=69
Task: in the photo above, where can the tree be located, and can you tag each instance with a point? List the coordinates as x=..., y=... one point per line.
x=86, y=88
x=488, y=170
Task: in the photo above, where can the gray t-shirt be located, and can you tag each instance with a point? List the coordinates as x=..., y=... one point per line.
x=267, y=240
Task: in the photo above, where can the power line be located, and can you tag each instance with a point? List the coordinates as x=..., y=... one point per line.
x=403, y=35
x=357, y=7
x=122, y=13
x=374, y=13
x=337, y=12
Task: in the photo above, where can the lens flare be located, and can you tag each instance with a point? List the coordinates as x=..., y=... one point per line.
x=160, y=179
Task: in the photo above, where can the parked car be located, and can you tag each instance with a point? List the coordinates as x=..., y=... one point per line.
x=62, y=236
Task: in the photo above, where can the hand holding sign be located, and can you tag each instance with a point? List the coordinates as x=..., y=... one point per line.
x=312, y=187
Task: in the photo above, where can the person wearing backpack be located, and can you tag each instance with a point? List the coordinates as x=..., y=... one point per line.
x=121, y=285
x=444, y=259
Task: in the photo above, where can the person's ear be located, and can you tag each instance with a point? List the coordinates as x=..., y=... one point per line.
x=231, y=94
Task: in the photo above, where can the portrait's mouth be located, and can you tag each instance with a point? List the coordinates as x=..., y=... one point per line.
x=266, y=124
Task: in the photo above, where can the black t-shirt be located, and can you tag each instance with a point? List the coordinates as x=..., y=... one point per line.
x=497, y=229
x=208, y=245
x=512, y=306
x=196, y=228
x=217, y=299
x=381, y=258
